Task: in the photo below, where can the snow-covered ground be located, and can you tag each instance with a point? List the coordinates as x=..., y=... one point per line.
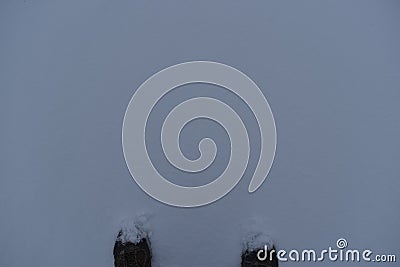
x=330, y=71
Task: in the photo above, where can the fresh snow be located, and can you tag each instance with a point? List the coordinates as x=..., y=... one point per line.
x=256, y=241
x=134, y=229
x=329, y=69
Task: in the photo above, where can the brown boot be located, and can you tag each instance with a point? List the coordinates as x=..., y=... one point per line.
x=132, y=255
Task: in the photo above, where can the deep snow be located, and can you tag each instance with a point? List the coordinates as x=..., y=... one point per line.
x=330, y=71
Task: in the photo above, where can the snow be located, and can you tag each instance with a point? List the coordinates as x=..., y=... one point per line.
x=256, y=241
x=329, y=69
x=256, y=233
x=135, y=229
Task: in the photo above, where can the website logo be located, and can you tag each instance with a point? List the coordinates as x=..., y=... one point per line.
x=340, y=253
x=155, y=88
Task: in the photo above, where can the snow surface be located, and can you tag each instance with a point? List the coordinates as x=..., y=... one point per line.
x=329, y=69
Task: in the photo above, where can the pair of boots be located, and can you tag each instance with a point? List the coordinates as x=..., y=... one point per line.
x=139, y=255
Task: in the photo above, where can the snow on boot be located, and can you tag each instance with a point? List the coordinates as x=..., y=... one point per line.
x=252, y=245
